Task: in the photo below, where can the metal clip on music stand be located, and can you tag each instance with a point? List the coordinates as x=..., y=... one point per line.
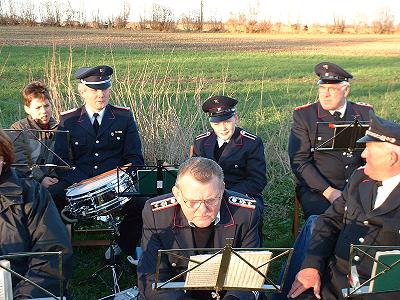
x=33, y=254
x=227, y=253
x=363, y=288
x=344, y=136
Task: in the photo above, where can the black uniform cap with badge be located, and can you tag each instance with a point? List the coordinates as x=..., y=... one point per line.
x=381, y=130
x=219, y=108
x=97, y=78
x=331, y=73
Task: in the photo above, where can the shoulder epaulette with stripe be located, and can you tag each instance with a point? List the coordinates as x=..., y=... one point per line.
x=248, y=135
x=122, y=107
x=242, y=202
x=303, y=106
x=203, y=135
x=68, y=111
x=364, y=104
x=164, y=204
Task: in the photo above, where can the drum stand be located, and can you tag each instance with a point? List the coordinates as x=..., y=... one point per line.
x=113, y=223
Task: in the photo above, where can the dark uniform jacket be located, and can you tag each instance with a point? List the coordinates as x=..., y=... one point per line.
x=166, y=227
x=350, y=220
x=243, y=161
x=29, y=222
x=29, y=150
x=117, y=143
x=320, y=169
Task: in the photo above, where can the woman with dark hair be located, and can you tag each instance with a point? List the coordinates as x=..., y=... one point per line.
x=29, y=222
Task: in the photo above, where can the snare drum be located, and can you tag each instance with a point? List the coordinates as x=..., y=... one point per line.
x=99, y=195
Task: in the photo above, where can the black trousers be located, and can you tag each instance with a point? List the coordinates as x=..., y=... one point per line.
x=130, y=229
x=312, y=202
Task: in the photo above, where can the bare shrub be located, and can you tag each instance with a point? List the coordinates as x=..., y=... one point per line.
x=121, y=20
x=191, y=22
x=236, y=23
x=339, y=24
x=265, y=26
x=384, y=24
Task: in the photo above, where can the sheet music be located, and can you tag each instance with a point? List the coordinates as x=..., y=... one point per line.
x=239, y=275
x=5, y=282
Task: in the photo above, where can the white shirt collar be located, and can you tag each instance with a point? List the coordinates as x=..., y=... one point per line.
x=388, y=185
x=216, y=221
x=221, y=141
x=342, y=110
x=91, y=112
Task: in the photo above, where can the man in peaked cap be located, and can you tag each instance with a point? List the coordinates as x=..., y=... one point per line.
x=101, y=137
x=239, y=153
x=321, y=176
x=367, y=213
x=199, y=213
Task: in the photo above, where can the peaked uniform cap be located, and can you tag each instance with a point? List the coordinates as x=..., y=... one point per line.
x=98, y=78
x=330, y=73
x=381, y=130
x=219, y=108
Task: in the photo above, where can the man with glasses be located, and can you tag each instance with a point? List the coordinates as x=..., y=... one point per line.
x=199, y=213
x=321, y=176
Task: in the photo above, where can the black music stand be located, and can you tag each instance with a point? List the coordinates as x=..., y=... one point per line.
x=32, y=254
x=227, y=252
x=21, y=133
x=360, y=289
x=343, y=136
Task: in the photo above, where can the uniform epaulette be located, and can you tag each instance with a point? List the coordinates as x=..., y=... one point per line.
x=365, y=104
x=68, y=111
x=203, y=135
x=242, y=202
x=303, y=106
x=248, y=135
x=122, y=107
x=164, y=204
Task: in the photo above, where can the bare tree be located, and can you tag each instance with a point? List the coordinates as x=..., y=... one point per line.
x=339, y=25
x=51, y=13
x=162, y=18
x=384, y=24
x=121, y=20
x=28, y=13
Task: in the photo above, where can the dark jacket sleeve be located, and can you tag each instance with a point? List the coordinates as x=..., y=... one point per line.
x=133, y=145
x=255, y=172
x=300, y=155
x=63, y=149
x=48, y=234
x=151, y=243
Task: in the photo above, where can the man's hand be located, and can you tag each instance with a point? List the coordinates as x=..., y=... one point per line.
x=305, y=279
x=331, y=194
x=47, y=181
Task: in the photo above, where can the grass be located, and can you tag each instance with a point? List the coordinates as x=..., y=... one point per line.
x=165, y=89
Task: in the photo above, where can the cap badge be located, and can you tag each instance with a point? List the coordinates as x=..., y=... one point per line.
x=325, y=67
x=326, y=74
x=216, y=101
x=219, y=108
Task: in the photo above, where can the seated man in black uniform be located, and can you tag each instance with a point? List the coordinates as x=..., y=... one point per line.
x=321, y=176
x=239, y=153
x=198, y=214
x=29, y=222
x=366, y=213
x=101, y=137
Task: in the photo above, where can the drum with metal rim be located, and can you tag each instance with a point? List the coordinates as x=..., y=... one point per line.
x=99, y=195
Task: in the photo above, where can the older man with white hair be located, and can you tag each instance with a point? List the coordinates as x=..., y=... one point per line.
x=368, y=213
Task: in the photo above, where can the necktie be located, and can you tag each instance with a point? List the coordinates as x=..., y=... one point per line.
x=375, y=187
x=96, y=124
x=218, y=151
x=336, y=115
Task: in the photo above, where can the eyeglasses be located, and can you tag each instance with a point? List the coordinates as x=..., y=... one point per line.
x=195, y=204
x=330, y=90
